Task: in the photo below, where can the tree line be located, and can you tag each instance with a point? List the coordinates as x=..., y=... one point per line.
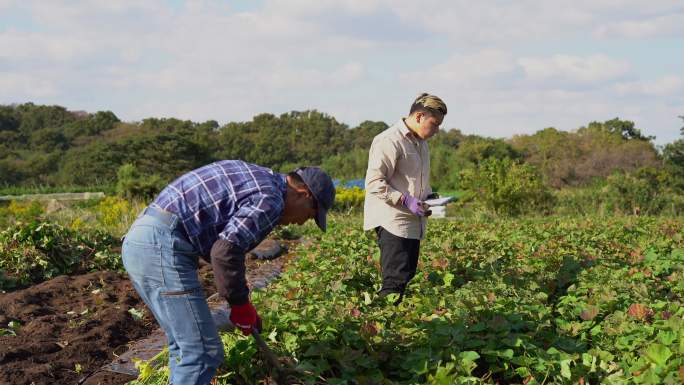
x=50, y=145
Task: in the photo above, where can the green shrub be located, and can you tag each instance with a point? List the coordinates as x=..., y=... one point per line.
x=131, y=184
x=21, y=211
x=113, y=210
x=507, y=187
x=347, y=165
x=348, y=198
x=581, y=200
x=643, y=192
x=36, y=251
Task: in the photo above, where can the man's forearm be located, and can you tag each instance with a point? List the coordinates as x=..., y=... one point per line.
x=229, y=272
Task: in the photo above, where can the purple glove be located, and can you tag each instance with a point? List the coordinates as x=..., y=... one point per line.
x=415, y=206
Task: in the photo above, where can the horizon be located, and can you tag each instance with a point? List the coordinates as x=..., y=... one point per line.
x=349, y=126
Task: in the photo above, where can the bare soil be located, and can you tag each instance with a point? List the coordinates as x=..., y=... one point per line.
x=71, y=326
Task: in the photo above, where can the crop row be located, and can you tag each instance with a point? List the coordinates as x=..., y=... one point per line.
x=548, y=301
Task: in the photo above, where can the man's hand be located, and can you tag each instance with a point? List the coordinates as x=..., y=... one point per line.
x=415, y=206
x=245, y=318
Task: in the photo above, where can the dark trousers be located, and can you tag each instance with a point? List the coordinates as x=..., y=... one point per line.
x=398, y=259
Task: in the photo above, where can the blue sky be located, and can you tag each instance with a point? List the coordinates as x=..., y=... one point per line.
x=503, y=67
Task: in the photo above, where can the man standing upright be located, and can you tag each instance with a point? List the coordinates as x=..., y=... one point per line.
x=217, y=212
x=397, y=183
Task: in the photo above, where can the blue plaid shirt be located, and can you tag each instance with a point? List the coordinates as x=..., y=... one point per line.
x=231, y=199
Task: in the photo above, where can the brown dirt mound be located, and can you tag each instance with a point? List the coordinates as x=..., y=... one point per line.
x=69, y=327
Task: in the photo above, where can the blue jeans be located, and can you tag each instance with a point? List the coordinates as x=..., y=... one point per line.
x=162, y=265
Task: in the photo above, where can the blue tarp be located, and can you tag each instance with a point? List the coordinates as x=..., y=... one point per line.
x=360, y=183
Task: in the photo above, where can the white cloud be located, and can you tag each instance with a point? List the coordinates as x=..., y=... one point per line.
x=476, y=68
x=308, y=7
x=469, y=23
x=14, y=86
x=573, y=69
x=664, y=86
x=283, y=78
x=666, y=25
x=501, y=69
x=16, y=45
x=8, y=3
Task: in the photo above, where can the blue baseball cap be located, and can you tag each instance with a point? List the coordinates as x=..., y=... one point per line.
x=321, y=186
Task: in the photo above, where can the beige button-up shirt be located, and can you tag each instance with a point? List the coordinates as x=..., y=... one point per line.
x=398, y=163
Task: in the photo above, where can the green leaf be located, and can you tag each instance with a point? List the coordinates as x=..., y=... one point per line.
x=367, y=298
x=666, y=337
x=468, y=356
x=565, y=368
x=448, y=278
x=135, y=313
x=522, y=371
x=658, y=354
x=7, y=332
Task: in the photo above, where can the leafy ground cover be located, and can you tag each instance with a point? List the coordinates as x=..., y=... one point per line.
x=37, y=251
x=526, y=301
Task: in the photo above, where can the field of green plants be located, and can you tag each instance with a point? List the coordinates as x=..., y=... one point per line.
x=509, y=301
x=527, y=300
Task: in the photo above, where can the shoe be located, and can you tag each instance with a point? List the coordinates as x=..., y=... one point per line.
x=391, y=297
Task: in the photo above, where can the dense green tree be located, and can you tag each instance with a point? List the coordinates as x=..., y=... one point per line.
x=362, y=135
x=48, y=139
x=11, y=172
x=233, y=143
x=475, y=149
x=316, y=135
x=90, y=165
x=450, y=138
x=275, y=141
x=623, y=128
x=51, y=145
x=553, y=152
x=594, y=151
x=445, y=167
x=348, y=165
x=8, y=119
x=673, y=154
x=35, y=117
x=92, y=124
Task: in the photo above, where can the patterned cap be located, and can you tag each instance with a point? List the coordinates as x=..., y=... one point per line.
x=321, y=186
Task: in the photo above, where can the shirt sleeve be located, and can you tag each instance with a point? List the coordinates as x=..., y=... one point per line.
x=382, y=160
x=256, y=217
x=428, y=189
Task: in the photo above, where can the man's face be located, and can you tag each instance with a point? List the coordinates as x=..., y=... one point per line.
x=307, y=211
x=428, y=125
x=303, y=208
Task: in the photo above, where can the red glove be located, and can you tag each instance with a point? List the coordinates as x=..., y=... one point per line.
x=245, y=318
